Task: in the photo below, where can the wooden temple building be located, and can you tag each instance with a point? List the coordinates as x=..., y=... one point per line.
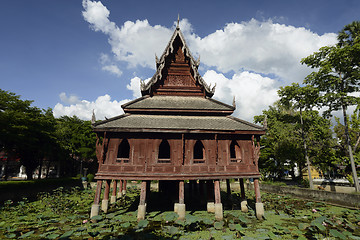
x=176, y=132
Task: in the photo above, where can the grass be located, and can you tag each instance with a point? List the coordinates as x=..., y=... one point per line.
x=64, y=214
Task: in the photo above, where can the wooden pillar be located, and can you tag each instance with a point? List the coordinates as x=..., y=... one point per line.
x=120, y=194
x=244, y=207
x=257, y=190
x=113, y=195
x=259, y=206
x=95, y=208
x=98, y=192
x=124, y=187
x=148, y=185
x=242, y=189
x=228, y=189
x=105, y=201
x=143, y=193
x=218, y=204
x=181, y=192
x=142, y=202
x=217, y=191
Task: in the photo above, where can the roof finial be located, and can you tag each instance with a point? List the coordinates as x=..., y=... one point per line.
x=234, y=102
x=177, y=26
x=93, y=118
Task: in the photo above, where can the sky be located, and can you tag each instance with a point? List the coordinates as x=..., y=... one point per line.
x=78, y=56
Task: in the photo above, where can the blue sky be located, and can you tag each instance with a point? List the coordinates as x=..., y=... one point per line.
x=75, y=56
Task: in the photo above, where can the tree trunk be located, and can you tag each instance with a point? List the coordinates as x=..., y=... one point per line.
x=311, y=185
x=353, y=168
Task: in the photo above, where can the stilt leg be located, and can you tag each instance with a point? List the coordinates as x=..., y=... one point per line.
x=218, y=204
x=180, y=208
x=142, y=203
x=113, y=195
x=95, y=208
x=120, y=194
x=210, y=196
x=259, y=206
x=105, y=201
x=228, y=189
x=244, y=207
x=124, y=187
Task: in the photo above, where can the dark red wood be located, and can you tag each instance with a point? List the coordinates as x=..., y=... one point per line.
x=242, y=189
x=217, y=191
x=98, y=192
x=120, y=185
x=107, y=189
x=181, y=192
x=257, y=190
x=143, y=193
x=114, y=188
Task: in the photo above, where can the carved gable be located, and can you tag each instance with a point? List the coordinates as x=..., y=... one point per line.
x=177, y=73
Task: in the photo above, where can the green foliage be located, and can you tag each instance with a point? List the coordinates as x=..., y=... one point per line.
x=90, y=177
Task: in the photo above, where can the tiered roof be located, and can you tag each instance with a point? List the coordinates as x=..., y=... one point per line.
x=177, y=99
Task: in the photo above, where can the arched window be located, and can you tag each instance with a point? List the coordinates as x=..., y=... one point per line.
x=199, y=152
x=123, y=151
x=164, y=152
x=235, y=153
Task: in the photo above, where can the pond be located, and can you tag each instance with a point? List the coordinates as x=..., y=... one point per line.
x=65, y=215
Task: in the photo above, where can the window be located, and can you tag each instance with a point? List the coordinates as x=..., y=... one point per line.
x=123, y=152
x=164, y=152
x=235, y=153
x=199, y=152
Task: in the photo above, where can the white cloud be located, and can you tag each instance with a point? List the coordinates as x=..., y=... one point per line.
x=103, y=106
x=250, y=49
x=252, y=92
x=112, y=69
x=259, y=46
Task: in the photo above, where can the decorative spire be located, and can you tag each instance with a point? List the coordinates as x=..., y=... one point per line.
x=93, y=118
x=234, y=102
x=265, y=122
x=178, y=21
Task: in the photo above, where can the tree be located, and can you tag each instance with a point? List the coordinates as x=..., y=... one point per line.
x=77, y=141
x=302, y=98
x=282, y=146
x=26, y=131
x=337, y=78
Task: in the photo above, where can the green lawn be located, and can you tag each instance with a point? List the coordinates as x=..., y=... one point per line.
x=65, y=215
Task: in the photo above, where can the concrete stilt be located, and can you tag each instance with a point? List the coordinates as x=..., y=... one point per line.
x=218, y=211
x=244, y=206
x=105, y=205
x=181, y=210
x=105, y=201
x=210, y=207
x=113, y=199
x=218, y=204
x=141, y=212
x=259, y=206
x=95, y=208
x=142, y=202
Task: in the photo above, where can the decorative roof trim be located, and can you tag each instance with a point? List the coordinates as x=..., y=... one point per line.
x=160, y=64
